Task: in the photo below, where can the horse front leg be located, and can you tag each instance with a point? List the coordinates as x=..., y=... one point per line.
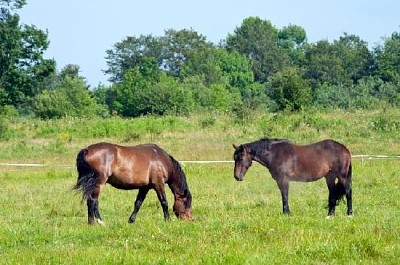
x=284, y=188
x=163, y=200
x=138, y=203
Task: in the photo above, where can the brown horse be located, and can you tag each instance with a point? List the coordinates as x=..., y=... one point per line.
x=290, y=162
x=142, y=167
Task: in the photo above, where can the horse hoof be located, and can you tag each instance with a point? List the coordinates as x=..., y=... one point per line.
x=329, y=217
x=100, y=222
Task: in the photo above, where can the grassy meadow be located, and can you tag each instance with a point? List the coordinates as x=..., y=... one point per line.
x=42, y=221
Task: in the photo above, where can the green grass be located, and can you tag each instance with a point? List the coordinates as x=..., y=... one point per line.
x=42, y=221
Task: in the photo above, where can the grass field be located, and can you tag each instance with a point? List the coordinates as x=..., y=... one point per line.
x=42, y=221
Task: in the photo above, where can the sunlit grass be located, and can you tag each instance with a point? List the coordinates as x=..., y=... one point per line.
x=42, y=221
x=234, y=222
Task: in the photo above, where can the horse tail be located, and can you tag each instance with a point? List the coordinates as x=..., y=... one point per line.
x=182, y=186
x=340, y=189
x=87, y=176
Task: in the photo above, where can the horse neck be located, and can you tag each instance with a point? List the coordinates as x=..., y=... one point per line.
x=177, y=181
x=258, y=153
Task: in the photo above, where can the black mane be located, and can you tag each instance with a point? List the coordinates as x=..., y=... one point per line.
x=263, y=144
x=183, y=186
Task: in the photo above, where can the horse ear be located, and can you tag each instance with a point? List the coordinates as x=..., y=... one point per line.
x=235, y=146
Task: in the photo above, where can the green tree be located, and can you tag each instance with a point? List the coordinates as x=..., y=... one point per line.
x=322, y=65
x=130, y=53
x=388, y=59
x=341, y=63
x=179, y=46
x=218, y=66
x=289, y=90
x=257, y=39
x=293, y=39
x=69, y=96
x=23, y=70
x=145, y=89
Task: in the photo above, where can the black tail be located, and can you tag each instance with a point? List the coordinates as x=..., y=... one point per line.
x=182, y=185
x=340, y=190
x=87, y=177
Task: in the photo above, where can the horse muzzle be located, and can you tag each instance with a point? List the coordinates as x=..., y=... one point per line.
x=238, y=178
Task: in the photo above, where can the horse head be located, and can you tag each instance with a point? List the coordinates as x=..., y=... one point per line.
x=183, y=205
x=243, y=160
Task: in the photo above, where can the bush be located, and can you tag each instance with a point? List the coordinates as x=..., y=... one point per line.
x=70, y=98
x=289, y=90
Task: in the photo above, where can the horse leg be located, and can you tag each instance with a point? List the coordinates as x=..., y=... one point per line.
x=332, y=198
x=138, y=203
x=97, y=213
x=91, y=209
x=93, y=205
x=284, y=188
x=163, y=200
x=348, y=191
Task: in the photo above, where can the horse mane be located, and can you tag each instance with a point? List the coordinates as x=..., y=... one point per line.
x=182, y=186
x=264, y=144
x=87, y=178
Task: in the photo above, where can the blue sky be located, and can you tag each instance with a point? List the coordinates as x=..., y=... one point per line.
x=80, y=31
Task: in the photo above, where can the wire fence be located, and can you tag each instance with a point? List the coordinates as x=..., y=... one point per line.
x=16, y=166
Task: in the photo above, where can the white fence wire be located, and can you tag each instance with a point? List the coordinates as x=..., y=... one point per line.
x=361, y=157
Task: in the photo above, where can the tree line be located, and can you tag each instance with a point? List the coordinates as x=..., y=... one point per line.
x=256, y=67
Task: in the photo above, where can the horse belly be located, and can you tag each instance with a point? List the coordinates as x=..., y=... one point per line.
x=127, y=181
x=309, y=172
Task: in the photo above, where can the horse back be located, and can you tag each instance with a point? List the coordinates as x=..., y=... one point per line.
x=309, y=162
x=129, y=167
x=329, y=154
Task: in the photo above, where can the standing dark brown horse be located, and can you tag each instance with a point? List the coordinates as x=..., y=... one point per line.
x=290, y=162
x=142, y=167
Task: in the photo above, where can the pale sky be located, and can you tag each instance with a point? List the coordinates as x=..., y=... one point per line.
x=80, y=31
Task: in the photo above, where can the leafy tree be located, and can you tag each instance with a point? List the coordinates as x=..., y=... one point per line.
x=341, y=63
x=68, y=97
x=289, y=90
x=258, y=40
x=179, y=47
x=323, y=65
x=293, y=39
x=147, y=90
x=218, y=66
x=23, y=70
x=130, y=53
x=388, y=59
x=169, y=52
x=356, y=59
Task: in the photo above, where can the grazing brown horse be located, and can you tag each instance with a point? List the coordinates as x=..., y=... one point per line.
x=142, y=167
x=290, y=162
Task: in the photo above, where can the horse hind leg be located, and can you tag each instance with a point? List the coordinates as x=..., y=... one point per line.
x=349, y=191
x=93, y=206
x=346, y=183
x=138, y=203
x=332, y=198
x=91, y=209
x=97, y=213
